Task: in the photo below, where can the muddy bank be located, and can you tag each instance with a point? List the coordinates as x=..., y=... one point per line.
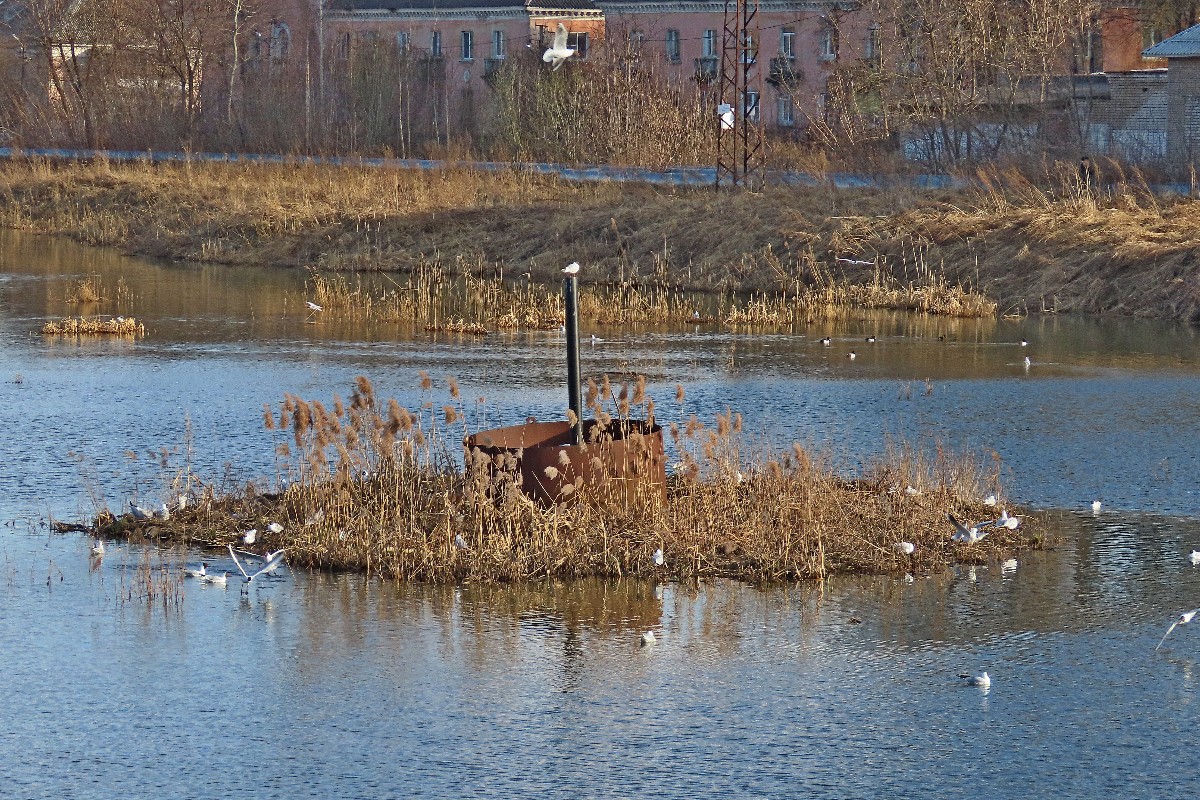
x=1030, y=249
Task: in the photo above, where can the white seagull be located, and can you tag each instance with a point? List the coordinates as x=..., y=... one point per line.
x=904, y=547
x=870, y=340
x=140, y=513
x=272, y=564
x=852, y=355
x=197, y=573
x=558, y=52
x=659, y=560
x=990, y=500
x=267, y=558
x=1095, y=506
x=911, y=491
x=983, y=681
x=964, y=534
x=216, y=580
x=1028, y=363
x=648, y=639
x=250, y=536
x=1024, y=343
x=1009, y=566
x=275, y=528
x=164, y=512
x=1184, y=619
x=1194, y=556
x=827, y=341
x=1005, y=521
x=460, y=542
x=98, y=548
x=573, y=267
x=313, y=306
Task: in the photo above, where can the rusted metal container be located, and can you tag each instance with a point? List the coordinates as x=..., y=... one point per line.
x=622, y=462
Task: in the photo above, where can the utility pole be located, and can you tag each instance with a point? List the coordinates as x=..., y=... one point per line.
x=739, y=126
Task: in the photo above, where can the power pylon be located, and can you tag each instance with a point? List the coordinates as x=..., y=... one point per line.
x=739, y=127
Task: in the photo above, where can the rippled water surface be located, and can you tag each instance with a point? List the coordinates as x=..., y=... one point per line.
x=336, y=686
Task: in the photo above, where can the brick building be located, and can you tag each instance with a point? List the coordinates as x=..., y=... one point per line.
x=1182, y=53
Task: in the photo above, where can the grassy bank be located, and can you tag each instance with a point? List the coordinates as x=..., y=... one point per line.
x=374, y=487
x=1025, y=246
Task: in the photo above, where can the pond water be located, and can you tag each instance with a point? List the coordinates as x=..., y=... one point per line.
x=316, y=685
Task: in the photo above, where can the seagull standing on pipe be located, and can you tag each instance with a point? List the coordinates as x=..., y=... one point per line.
x=558, y=52
x=573, y=267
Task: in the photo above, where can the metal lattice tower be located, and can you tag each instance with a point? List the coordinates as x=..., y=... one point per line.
x=739, y=126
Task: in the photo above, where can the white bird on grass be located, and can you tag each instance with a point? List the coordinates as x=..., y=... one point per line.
x=1184, y=619
x=197, y=573
x=1194, y=557
x=140, y=513
x=460, y=542
x=275, y=528
x=659, y=560
x=558, y=52
x=911, y=491
x=272, y=564
x=1005, y=521
x=648, y=639
x=250, y=536
x=982, y=681
x=905, y=547
x=855, y=261
x=164, y=513
x=990, y=500
x=573, y=267
x=962, y=533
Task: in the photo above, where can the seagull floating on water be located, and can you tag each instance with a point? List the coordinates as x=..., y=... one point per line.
x=1096, y=506
x=216, y=580
x=1009, y=566
x=852, y=355
x=1028, y=363
x=905, y=547
x=558, y=52
x=197, y=573
x=827, y=341
x=870, y=340
x=573, y=267
x=648, y=639
x=98, y=548
x=1184, y=619
x=1024, y=343
x=983, y=681
x=1194, y=557
x=658, y=557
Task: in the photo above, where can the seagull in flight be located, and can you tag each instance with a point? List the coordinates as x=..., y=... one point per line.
x=313, y=306
x=964, y=534
x=1184, y=619
x=573, y=267
x=558, y=52
x=272, y=564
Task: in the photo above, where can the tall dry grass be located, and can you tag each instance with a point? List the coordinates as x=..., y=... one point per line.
x=372, y=486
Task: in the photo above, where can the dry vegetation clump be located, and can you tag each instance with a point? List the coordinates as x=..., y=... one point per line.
x=95, y=326
x=369, y=485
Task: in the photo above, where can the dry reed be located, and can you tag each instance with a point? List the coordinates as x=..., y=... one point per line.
x=372, y=486
x=94, y=326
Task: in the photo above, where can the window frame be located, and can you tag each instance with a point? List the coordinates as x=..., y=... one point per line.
x=467, y=45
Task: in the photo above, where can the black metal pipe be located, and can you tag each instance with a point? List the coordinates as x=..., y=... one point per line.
x=574, y=393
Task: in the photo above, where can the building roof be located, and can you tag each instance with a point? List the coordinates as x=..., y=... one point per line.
x=455, y=5
x=1185, y=44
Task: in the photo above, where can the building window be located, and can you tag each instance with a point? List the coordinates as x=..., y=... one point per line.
x=435, y=44
x=827, y=50
x=750, y=108
x=281, y=41
x=787, y=43
x=673, y=54
x=749, y=49
x=497, y=44
x=468, y=45
x=578, y=42
x=871, y=46
x=786, y=112
x=402, y=42
x=710, y=43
